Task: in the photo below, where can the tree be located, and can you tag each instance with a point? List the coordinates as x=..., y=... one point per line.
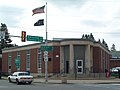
x=113, y=48
x=4, y=37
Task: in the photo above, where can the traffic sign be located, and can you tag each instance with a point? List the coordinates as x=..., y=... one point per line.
x=46, y=48
x=45, y=52
x=17, y=63
x=34, y=38
x=45, y=55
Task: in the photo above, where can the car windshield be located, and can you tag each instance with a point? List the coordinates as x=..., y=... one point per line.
x=23, y=74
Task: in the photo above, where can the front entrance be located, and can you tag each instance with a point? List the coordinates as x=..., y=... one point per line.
x=67, y=67
x=79, y=66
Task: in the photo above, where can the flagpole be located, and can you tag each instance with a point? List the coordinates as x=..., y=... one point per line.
x=46, y=24
x=36, y=11
x=46, y=52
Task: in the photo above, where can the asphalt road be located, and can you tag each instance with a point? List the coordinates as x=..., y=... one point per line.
x=5, y=85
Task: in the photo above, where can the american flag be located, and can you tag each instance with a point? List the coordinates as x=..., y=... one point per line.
x=38, y=10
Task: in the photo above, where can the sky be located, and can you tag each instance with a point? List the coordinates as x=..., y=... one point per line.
x=65, y=19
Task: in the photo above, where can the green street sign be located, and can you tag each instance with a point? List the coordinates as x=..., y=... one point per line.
x=34, y=38
x=46, y=48
x=17, y=63
x=18, y=66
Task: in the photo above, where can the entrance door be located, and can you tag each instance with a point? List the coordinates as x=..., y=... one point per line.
x=67, y=66
x=79, y=66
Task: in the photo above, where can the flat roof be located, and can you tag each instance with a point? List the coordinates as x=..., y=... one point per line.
x=56, y=40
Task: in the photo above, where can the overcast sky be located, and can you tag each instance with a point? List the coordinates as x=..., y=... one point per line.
x=66, y=19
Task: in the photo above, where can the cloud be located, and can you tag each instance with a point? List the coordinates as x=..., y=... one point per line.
x=67, y=3
x=21, y=3
x=10, y=15
x=65, y=17
x=94, y=23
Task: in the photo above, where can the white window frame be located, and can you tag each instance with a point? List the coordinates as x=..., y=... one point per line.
x=9, y=62
x=18, y=57
x=39, y=60
x=27, y=60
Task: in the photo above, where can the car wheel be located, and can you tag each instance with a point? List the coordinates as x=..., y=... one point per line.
x=29, y=82
x=9, y=80
x=17, y=82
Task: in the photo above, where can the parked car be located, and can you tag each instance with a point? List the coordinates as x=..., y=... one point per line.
x=0, y=74
x=20, y=77
x=115, y=69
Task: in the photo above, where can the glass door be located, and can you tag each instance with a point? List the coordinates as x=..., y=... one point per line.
x=79, y=66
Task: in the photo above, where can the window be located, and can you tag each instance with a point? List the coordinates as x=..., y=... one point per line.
x=27, y=59
x=18, y=57
x=49, y=59
x=22, y=74
x=79, y=66
x=79, y=70
x=9, y=60
x=79, y=63
x=39, y=57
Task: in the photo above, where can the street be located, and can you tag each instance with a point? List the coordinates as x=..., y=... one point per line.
x=5, y=85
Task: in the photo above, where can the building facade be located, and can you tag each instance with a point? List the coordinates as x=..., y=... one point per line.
x=0, y=62
x=115, y=59
x=30, y=58
x=83, y=56
x=70, y=56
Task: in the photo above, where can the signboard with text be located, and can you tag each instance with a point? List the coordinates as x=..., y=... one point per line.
x=46, y=48
x=17, y=63
x=34, y=38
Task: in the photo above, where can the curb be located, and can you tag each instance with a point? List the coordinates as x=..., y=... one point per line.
x=79, y=81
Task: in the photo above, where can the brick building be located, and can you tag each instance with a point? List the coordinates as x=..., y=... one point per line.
x=70, y=56
x=115, y=59
x=0, y=62
x=31, y=59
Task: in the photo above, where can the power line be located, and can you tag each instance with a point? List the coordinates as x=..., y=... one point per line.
x=86, y=32
x=68, y=31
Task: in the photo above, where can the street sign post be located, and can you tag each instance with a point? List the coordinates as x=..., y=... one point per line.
x=34, y=38
x=46, y=48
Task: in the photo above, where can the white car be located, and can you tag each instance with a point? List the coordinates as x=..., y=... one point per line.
x=20, y=77
x=115, y=69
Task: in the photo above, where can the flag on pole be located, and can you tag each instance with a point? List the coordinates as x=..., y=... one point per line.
x=38, y=10
x=39, y=22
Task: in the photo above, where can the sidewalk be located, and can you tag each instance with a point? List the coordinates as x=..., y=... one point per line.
x=107, y=81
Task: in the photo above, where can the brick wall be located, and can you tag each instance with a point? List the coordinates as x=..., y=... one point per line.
x=23, y=60
x=53, y=61
x=114, y=63
x=56, y=59
x=13, y=66
x=96, y=60
x=5, y=63
x=100, y=60
x=33, y=60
